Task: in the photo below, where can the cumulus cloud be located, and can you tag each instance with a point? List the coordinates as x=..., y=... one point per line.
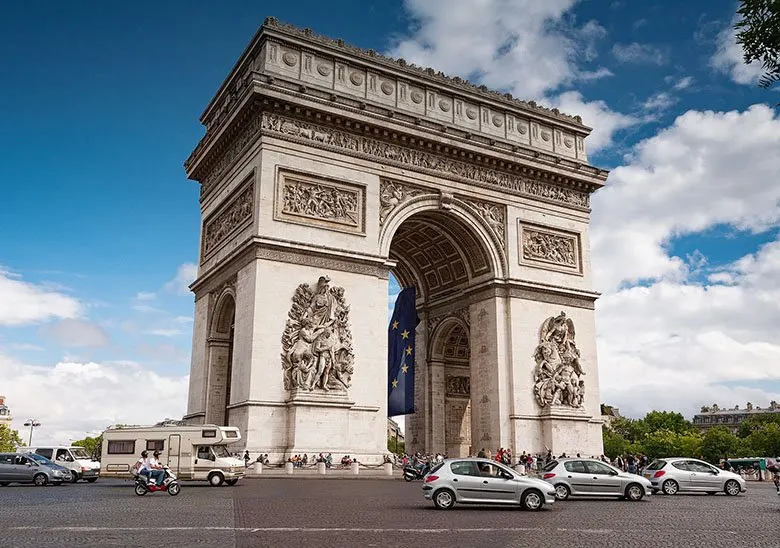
x=729, y=58
x=75, y=333
x=185, y=275
x=638, y=53
x=83, y=398
x=23, y=302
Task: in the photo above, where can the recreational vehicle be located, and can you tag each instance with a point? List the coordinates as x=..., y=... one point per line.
x=192, y=452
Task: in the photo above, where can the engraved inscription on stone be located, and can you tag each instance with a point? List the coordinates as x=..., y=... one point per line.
x=550, y=248
x=458, y=385
x=310, y=200
x=558, y=377
x=317, y=340
x=218, y=227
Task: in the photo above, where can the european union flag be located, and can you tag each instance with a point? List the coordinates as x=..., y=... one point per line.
x=400, y=355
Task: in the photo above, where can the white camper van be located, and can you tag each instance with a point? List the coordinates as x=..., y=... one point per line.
x=76, y=459
x=192, y=452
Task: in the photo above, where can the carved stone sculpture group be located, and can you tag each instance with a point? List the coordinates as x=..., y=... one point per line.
x=558, y=374
x=317, y=340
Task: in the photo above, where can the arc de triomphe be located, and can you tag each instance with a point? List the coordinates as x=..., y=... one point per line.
x=326, y=168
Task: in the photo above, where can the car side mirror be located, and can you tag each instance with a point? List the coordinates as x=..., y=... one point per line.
x=29, y=464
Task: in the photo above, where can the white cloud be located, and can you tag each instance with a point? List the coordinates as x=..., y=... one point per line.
x=729, y=58
x=638, y=53
x=660, y=102
x=75, y=333
x=145, y=296
x=183, y=319
x=707, y=168
x=185, y=275
x=83, y=398
x=166, y=332
x=24, y=302
x=684, y=83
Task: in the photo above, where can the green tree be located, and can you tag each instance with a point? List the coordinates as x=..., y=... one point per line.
x=631, y=430
x=9, y=439
x=393, y=448
x=666, y=420
x=614, y=443
x=94, y=446
x=756, y=423
x=764, y=441
x=758, y=31
x=719, y=442
x=666, y=443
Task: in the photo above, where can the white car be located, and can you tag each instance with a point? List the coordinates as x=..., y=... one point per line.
x=674, y=475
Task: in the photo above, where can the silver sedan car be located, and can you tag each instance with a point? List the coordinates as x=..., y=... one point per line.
x=672, y=475
x=590, y=477
x=482, y=481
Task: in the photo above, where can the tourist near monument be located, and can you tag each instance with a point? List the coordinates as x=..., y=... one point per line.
x=324, y=169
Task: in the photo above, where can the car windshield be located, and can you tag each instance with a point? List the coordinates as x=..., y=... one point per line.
x=39, y=459
x=657, y=465
x=221, y=451
x=80, y=453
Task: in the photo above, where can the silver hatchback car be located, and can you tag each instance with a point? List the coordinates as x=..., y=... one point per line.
x=672, y=475
x=482, y=481
x=590, y=477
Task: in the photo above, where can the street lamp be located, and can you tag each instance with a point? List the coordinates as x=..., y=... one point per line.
x=32, y=423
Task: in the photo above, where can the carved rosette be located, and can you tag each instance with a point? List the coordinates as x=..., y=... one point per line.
x=359, y=145
x=317, y=349
x=219, y=226
x=392, y=195
x=558, y=376
x=457, y=385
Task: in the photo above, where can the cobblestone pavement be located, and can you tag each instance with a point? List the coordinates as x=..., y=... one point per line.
x=361, y=513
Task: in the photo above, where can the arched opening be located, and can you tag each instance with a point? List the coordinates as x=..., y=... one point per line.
x=220, y=368
x=443, y=253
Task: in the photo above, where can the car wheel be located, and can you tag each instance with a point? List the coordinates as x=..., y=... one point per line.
x=140, y=489
x=216, y=479
x=444, y=499
x=670, y=487
x=532, y=500
x=40, y=480
x=74, y=477
x=92, y=480
x=732, y=488
x=174, y=488
x=231, y=482
x=635, y=492
x=562, y=491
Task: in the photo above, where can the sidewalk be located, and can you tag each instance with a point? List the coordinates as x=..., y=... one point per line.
x=334, y=473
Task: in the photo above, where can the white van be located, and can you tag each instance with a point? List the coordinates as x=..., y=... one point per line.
x=192, y=452
x=76, y=459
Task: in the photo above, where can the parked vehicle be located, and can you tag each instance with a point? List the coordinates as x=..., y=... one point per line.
x=169, y=485
x=673, y=475
x=412, y=473
x=594, y=478
x=76, y=459
x=482, y=481
x=20, y=468
x=197, y=452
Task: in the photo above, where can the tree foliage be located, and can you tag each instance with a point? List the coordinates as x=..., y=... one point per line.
x=9, y=439
x=94, y=446
x=758, y=32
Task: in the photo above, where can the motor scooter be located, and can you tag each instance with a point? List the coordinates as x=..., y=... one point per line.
x=169, y=485
x=412, y=473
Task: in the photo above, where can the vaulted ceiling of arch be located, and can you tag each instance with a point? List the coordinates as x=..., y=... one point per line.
x=439, y=252
x=456, y=343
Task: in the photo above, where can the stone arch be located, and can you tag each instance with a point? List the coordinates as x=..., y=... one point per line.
x=220, y=358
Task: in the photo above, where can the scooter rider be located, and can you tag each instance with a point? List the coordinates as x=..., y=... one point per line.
x=143, y=467
x=157, y=472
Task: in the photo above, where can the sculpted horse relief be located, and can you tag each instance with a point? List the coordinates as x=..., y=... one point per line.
x=317, y=340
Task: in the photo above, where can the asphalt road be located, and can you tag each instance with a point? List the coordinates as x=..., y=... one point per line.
x=346, y=513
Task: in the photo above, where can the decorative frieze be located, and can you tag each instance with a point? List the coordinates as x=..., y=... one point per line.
x=495, y=217
x=311, y=200
x=251, y=130
x=458, y=385
x=391, y=195
x=225, y=222
x=547, y=247
x=390, y=153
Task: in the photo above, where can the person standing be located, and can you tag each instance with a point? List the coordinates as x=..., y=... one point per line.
x=246, y=459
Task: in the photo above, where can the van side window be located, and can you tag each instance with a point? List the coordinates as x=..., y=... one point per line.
x=64, y=455
x=155, y=445
x=121, y=447
x=204, y=452
x=45, y=453
x=209, y=433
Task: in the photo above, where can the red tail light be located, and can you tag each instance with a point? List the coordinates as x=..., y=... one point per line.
x=659, y=474
x=429, y=479
x=548, y=475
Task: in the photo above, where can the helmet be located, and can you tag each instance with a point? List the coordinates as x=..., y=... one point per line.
x=144, y=454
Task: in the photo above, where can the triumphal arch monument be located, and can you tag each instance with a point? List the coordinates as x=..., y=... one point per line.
x=324, y=170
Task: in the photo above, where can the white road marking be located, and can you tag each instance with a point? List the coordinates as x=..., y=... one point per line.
x=314, y=529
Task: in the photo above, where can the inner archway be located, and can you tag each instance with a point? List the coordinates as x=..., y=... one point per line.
x=444, y=254
x=220, y=369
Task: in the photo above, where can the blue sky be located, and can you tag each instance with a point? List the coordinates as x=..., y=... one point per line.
x=100, y=106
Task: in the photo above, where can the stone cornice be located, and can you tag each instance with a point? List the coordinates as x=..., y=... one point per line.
x=392, y=145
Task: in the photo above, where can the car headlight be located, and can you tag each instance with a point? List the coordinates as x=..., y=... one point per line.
x=56, y=473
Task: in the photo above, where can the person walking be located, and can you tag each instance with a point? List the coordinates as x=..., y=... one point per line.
x=246, y=459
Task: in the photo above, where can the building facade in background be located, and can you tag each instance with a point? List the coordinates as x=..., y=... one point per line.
x=5, y=413
x=712, y=416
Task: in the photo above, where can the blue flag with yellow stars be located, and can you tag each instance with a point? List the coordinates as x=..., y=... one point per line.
x=400, y=354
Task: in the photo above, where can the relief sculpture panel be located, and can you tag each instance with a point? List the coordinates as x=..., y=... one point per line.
x=311, y=200
x=550, y=248
x=558, y=377
x=458, y=385
x=219, y=226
